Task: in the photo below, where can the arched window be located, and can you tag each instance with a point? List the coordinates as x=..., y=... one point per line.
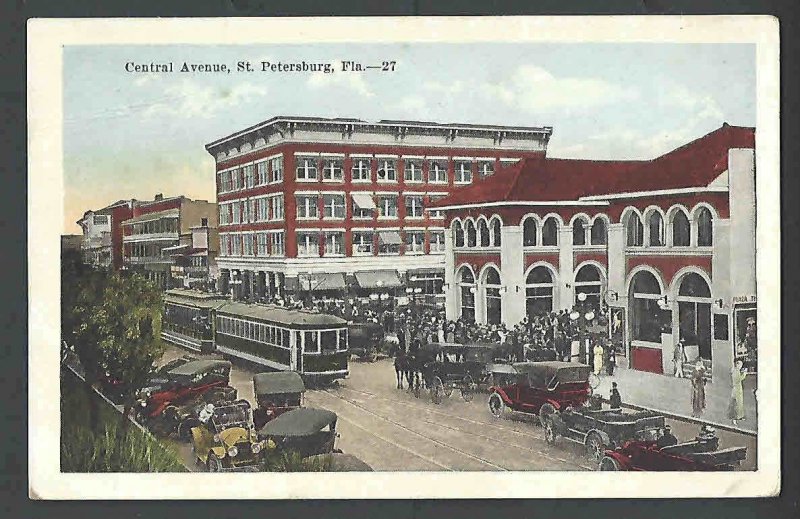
x=458, y=231
x=550, y=232
x=705, y=228
x=579, y=232
x=589, y=282
x=634, y=230
x=471, y=234
x=493, y=302
x=647, y=318
x=529, y=232
x=599, y=232
x=496, y=240
x=681, y=231
x=655, y=224
x=466, y=285
x=694, y=316
x=483, y=233
x=538, y=292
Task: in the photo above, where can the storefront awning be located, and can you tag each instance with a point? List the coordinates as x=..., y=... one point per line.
x=318, y=282
x=363, y=200
x=389, y=238
x=378, y=279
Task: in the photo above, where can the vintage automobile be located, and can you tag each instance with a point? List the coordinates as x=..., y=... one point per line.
x=112, y=387
x=700, y=454
x=225, y=440
x=366, y=340
x=306, y=430
x=598, y=429
x=539, y=388
x=276, y=393
x=165, y=406
x=448, y=366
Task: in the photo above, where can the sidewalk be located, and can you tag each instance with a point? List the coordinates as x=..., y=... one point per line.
x=673, y=396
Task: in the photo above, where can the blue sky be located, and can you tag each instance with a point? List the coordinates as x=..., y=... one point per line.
x=133, y=135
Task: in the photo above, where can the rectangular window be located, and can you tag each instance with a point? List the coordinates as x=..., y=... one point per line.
x=224, y=213
x=361, y=170
x=432, y=199
x=437, y=241
x=387, y=171
x=236, y=175
x=224, y=245
x=387, y=205
x=463, y=172
x=328, y=340
x=306, y=169
x=413, y=206
x=236, y=212
x=236, y=244
x=485, y=168
x=307, y=206
x=247, y=244
x=251, y=210
x=334, y=243
x=307, y=244
x=362, y=242
x=334, y=206
x=277, y=246
x=333, y=172
x=261, y=239
x=415, y=242
x=437, y=172
x=277, y=207
x=262, y=210
x=363, y=206
x=389, y=242
x=249, y=175
x=276, y=168
x=310, y=342
x=262, y=172
x=413, y=171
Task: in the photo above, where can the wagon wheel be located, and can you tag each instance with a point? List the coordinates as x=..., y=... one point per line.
x=496, y=405
x=550, y=434
x=609, y=464
x=467, y=392
x=437, y=390
x=595, y=448
x=545, y=413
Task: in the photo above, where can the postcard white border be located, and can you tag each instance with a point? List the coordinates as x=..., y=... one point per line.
x=45, y=214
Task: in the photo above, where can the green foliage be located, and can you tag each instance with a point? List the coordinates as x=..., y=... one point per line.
x=106, y=450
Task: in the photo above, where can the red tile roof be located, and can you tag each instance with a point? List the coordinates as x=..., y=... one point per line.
x=695, y=164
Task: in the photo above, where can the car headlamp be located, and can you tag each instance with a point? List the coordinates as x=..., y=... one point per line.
x=256, y=448
x=216, y=437
x=233, y=451
x=142, y=403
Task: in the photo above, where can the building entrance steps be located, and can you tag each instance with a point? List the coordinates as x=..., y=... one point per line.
x=673, y=397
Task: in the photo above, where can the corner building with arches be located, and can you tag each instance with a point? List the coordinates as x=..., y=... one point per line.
x=668, y=245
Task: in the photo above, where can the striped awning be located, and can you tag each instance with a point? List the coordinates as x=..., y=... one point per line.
x=363, y=200
x=324, y=281
x=390, y=238
x=378, y=279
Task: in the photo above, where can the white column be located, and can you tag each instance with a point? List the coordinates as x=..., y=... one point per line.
x=616, y=264
x=741, y=175
x=512, y=261
x=450, y=282
x=566, y=269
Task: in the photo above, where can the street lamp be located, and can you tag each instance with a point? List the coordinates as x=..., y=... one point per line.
x=581, y=297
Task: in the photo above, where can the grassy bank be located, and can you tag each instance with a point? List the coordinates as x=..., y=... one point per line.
x=83, y=450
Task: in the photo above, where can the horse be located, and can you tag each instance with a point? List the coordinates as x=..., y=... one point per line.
x=400, y=363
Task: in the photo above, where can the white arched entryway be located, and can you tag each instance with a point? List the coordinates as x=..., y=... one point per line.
x=465, y=277
x=693, y=321
x=491, y=310
x=590, y=279
x=540, y=289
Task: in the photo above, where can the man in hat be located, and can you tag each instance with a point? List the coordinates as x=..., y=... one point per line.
x=667, y=439
x=615, y=401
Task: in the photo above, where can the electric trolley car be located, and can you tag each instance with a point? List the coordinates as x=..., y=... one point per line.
x=312, y=344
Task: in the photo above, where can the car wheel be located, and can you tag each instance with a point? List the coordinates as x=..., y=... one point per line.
x=214, y=464
x=437, y=390
x=609, y=464
x=549, y=432
x=467, y=392
x=496, y=405
x=545, y=412
x=595, y=448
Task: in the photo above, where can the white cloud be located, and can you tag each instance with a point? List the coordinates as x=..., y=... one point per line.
x=191, y=99
x=534, y=89
x=350, y=80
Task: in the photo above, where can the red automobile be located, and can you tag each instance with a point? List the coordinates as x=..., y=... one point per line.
x=538, y=388
x=183, y=384
x=700, y=454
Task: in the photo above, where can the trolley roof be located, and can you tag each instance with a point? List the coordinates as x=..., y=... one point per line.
x=280, y=315
x=278, y=382
x=194, y=298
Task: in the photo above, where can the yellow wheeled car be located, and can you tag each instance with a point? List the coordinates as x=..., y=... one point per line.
x=225, y=440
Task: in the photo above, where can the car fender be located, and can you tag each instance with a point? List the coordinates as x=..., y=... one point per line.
x=555, y=403
x=603, y=436
x=623, y=461
x=503, y=395
x=197, y=441
x=219, y=451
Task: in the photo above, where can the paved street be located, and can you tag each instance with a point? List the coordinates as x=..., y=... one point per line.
x=392, y=430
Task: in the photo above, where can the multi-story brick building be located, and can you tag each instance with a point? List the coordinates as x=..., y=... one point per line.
x=338, y=205
x=160, y=231
x=102, y=234
x=668, y=244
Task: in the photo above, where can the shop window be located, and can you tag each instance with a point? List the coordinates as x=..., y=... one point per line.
x=694, y=314
x=589, y=282
x=538, y=292
x=648, y=320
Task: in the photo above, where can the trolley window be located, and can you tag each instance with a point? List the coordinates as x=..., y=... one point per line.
x=286, y=343
x=311, y=342
x=342, y=334
x=328, y=340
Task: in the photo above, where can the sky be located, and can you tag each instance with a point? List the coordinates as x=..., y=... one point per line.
x=132, y=135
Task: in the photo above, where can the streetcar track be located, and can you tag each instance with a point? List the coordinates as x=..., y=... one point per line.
x=482, y=424
x=412, y=431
